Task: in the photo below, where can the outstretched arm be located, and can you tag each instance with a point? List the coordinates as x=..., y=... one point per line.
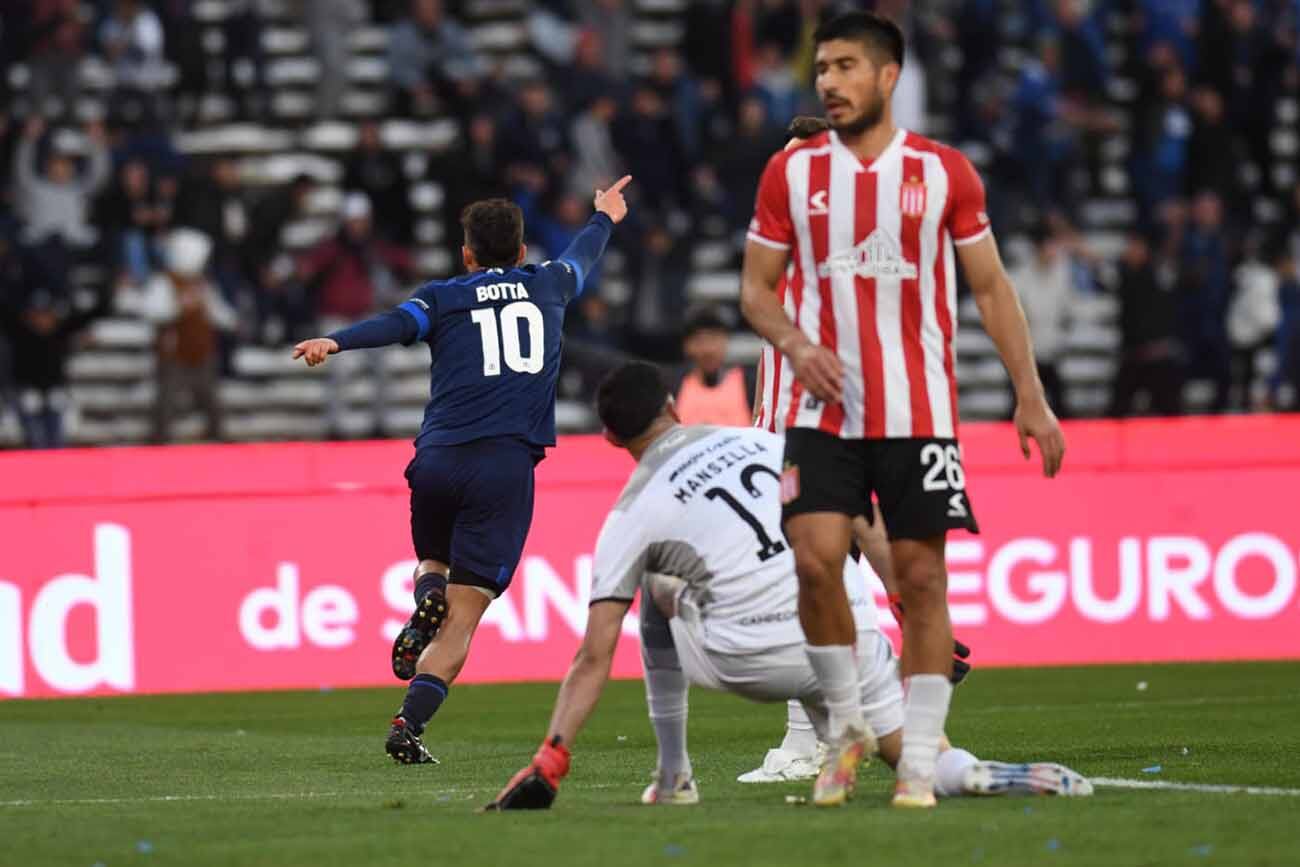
x=585, y=250
x=534, y=787
x=1004, y=320
x=386, y=329
x=589, y=672
x=101, y=163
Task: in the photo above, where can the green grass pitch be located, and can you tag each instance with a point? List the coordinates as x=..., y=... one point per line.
x=301, y=779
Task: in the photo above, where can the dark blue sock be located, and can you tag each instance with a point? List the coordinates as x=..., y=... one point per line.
x=423, y=698
x=427, y=583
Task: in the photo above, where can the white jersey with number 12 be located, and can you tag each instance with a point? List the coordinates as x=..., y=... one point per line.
x=704, y=506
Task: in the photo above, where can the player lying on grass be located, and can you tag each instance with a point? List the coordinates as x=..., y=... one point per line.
x=697, y=530
x=494, y=335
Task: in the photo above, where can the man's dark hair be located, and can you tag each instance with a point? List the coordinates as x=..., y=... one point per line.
x=805, y=127
x=630, y=398
x=494, y=230
x=883, y=38
x=703, y=317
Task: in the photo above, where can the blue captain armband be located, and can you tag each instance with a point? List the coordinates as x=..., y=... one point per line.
x=576, y=270
x=419, y=310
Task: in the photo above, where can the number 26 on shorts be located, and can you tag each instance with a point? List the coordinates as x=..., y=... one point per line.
x=943, y=468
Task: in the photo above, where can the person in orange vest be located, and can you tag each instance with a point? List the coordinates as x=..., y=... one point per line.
x=711, y=392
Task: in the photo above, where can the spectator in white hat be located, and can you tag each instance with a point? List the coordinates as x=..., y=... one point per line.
x=188, y=311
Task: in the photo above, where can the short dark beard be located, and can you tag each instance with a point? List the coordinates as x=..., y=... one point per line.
x=870, y=116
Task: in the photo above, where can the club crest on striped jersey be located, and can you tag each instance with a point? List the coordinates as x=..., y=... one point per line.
x=911, y=198
x=878, y=256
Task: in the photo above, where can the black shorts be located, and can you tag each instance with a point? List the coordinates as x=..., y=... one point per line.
x=919, y=483
x=471, y=507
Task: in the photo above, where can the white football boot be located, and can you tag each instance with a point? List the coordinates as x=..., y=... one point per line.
x=1036, y=778
x=785, y=766
x=682, y=792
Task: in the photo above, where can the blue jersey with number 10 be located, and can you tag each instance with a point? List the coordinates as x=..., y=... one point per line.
x=495, y=338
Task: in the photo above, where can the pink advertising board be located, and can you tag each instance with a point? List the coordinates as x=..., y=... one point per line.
x=190, y=569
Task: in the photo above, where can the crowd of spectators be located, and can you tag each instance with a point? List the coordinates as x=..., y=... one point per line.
x=1205, y=281
x=1206, y=277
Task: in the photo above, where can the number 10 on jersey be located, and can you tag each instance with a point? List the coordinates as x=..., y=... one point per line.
x=504, y=340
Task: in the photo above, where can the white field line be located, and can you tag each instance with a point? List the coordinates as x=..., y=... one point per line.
x=433, y=795
x=1130, y=703
x=1121, y=783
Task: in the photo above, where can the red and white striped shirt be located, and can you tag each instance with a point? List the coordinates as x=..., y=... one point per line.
x=873, y=277
x=776, y=375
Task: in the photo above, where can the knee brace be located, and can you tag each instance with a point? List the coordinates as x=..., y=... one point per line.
x=657, y=648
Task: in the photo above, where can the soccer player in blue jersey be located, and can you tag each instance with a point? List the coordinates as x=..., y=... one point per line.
x=494, y=335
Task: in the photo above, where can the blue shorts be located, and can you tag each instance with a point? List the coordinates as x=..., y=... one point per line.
x=471, y=507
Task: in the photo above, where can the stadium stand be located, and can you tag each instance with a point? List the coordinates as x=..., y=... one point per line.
x=258, y=106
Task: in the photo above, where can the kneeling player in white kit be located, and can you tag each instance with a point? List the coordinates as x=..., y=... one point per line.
x=697, y=528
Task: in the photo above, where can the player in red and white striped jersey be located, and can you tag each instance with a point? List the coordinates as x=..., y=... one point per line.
x=795, y=758
x=866, y=223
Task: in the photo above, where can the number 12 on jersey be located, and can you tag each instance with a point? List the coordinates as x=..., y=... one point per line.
x=506, y=337
x=767, y=546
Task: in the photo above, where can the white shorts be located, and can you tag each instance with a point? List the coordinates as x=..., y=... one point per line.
x=784, y=673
